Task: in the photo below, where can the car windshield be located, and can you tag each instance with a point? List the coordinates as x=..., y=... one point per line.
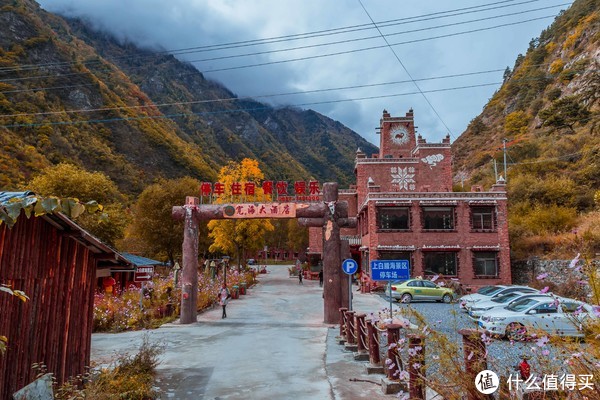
x=521, y=305
x=486, y=289
x=505, y=298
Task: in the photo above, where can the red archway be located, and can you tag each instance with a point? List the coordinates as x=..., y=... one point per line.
x=330, y=214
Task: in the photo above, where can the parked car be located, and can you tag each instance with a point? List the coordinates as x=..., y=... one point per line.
x=491, y=292
x=554, y=315
x=418, y=289
x=476, y=310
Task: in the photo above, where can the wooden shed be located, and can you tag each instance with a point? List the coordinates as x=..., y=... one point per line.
x=55, y=262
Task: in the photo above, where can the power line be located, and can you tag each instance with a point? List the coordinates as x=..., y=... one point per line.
x=271, y=95
x=256, y=96
x=371, y=48
x=179, y=115
x=406, y=69
x=327, y=32
x=325, y=44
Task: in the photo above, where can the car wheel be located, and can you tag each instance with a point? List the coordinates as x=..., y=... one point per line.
x=447, y=298
x=515, y=332
x=406, y=298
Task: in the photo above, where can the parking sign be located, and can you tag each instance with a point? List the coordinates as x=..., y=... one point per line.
x=349, y=266
x=390, y=270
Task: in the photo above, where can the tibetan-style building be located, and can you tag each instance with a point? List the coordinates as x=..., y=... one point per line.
x=406, y=210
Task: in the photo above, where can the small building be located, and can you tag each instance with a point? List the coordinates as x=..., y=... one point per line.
x=55, y=262
x=407, y=210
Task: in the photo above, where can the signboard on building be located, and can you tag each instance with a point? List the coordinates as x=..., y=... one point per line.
x=390, y=270
x=143, y=274
x=260, y=210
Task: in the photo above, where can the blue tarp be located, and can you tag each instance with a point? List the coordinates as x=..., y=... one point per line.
x=6, y=196
x=139, y=261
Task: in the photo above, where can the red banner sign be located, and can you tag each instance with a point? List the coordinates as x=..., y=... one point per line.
x=250, y=191
x=260, y=210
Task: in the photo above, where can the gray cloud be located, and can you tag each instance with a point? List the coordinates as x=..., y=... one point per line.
x=179, y=24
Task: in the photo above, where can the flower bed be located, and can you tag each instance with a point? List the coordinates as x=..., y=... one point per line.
x=160, y=301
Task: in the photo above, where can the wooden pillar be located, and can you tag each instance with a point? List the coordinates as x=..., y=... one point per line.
x=189, y=276
x=474, y=353
x=344, y=285
x=391, y=365
x=332, y=262
x=416, y=356
x=373, y=343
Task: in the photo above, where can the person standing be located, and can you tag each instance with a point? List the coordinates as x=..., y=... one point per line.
x=224, y=297
x=299, y=269
x=321, y=278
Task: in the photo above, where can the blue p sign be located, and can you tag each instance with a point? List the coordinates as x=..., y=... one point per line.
x=349, y=266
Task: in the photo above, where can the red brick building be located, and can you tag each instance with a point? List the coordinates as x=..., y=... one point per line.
x=407, y=210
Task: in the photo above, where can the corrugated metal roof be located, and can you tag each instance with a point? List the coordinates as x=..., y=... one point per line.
x=6, y=196
x=139, y=260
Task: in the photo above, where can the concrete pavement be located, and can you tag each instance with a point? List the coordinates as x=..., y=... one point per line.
x=273, y=345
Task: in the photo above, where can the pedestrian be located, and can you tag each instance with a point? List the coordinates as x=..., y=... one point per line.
x=224, y=297
x=300, y=277
x=321, y=278
x=524, y=368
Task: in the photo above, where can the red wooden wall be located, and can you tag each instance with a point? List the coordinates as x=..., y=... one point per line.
x=55, y=325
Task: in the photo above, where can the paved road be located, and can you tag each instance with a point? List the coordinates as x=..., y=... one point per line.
x=273, y=345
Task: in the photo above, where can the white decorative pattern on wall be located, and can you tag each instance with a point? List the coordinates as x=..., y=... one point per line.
x=403, y=177
x=433, y=159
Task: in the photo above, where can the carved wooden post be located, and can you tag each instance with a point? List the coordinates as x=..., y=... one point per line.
x=189, y=278
x=373, y=343
x=350, y=330
x=332, y=262
x=393, y=335
x=361, y=335
x=475, y=360
x=416, y=356
x=344, y=289
x=343, y=322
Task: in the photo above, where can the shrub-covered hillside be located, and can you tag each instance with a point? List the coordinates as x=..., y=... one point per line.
x=546, y=114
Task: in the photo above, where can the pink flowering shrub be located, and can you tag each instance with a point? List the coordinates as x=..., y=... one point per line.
x=161, y=300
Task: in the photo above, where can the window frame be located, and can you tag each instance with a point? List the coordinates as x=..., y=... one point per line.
x=379, y=215
x=476, y=212
x=431, y=209
x=493, y=254
x=439, y=271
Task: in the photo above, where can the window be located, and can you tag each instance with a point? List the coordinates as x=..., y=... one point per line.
x=485, y=263
x=482, y=218
x=438, y=218
x=393, y=218
x=548, y=308
x=440, y=262
x=429, y=284
x=414, y=284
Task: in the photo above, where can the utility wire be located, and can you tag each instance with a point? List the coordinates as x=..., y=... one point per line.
x=271, y=95
x=262, y=108
x=291, y=37
x=318, y=45
x=406, y=70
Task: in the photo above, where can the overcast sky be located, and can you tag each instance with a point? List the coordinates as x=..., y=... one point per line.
x=374, y=60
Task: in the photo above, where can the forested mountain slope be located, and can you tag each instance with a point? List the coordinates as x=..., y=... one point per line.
x=68, y=93
x=546, y=114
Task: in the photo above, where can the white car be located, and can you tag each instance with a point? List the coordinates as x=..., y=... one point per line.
x=553, y=315
x=478, y=309
x=490, y=292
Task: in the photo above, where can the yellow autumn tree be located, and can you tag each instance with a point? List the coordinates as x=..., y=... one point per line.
x=239, y=236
